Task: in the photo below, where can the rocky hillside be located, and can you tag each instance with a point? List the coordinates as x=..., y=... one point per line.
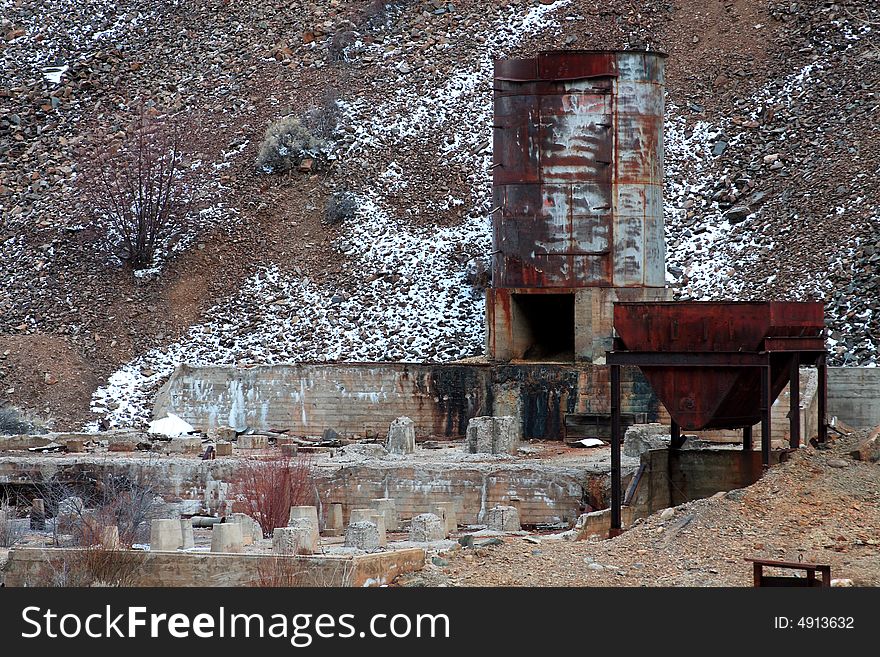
x=770, y=149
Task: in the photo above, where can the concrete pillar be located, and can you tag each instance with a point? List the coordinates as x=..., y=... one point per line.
x=360, y=515
x=427, y=527
x=38, y=514
x=446, y=510
x=334, y=525
x=294, y=540
x=165, y=534
x=226, y=537
x=389, y=509
x=379, y=520
x=504, y=519
x=363, y=535
x=310, y=513
x=401, y=436
x=186, y=534
x=493, y=435
x=250, y=528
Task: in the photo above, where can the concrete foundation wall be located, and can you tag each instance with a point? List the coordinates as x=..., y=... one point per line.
x=542, y=495
x=28, y=567
x=672, y=477
x=361, y=400
x=545, y=493
x=854, y=395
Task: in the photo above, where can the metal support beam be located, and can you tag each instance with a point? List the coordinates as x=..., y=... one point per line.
x=823, y=397
x=675, y=433
x=794, y=406
x=766, y=406
x=615, y=450
x=747, y=439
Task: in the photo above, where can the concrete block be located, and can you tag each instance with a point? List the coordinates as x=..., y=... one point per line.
x=310, y=513
x=504, y=519
x=401, y=436
x=639, y=438
x=361, y=515
x=223, y=449
x=294, y=540
x=379, y=520
x=446, y=510
x=250, y=528
x=255, y=441
x=289, y=449
x=389, y=509
x=223, y=433
x=363, y=535
x=165, y=534
x=427, y=527
x=74, y=445
x=226, y=537
x=493, y=435
x=334, y=525
x=184, y=445
x=186, y=533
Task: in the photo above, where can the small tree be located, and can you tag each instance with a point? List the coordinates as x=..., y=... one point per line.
x=137, y=187
x=268, y=488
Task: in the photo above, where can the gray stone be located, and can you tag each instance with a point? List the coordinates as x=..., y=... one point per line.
x=427, y=527
x=215, y=494
x=503, y=519
x=401, y=436
x=363, y=535
x=223, y=433
x=639, y=438
x=493, y=435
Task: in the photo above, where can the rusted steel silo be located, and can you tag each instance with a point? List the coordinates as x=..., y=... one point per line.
x=578, y=205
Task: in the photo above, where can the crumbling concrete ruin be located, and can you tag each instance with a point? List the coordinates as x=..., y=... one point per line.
x=382, y=465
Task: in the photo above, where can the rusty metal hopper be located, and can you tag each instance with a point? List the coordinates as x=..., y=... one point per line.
x=713, y=383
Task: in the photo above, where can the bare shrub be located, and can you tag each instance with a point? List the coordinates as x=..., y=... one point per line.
x=268, y=488
x=96, y=565
x=340, y=207
x=137, y=186
x=13, y=421
x=286, y=144
x=86, y=507
x=322, y=121
x=10, y=532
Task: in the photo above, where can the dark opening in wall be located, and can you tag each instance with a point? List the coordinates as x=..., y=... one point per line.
x=543, y=326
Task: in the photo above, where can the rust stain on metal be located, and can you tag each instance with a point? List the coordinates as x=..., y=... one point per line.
x=578, y=170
